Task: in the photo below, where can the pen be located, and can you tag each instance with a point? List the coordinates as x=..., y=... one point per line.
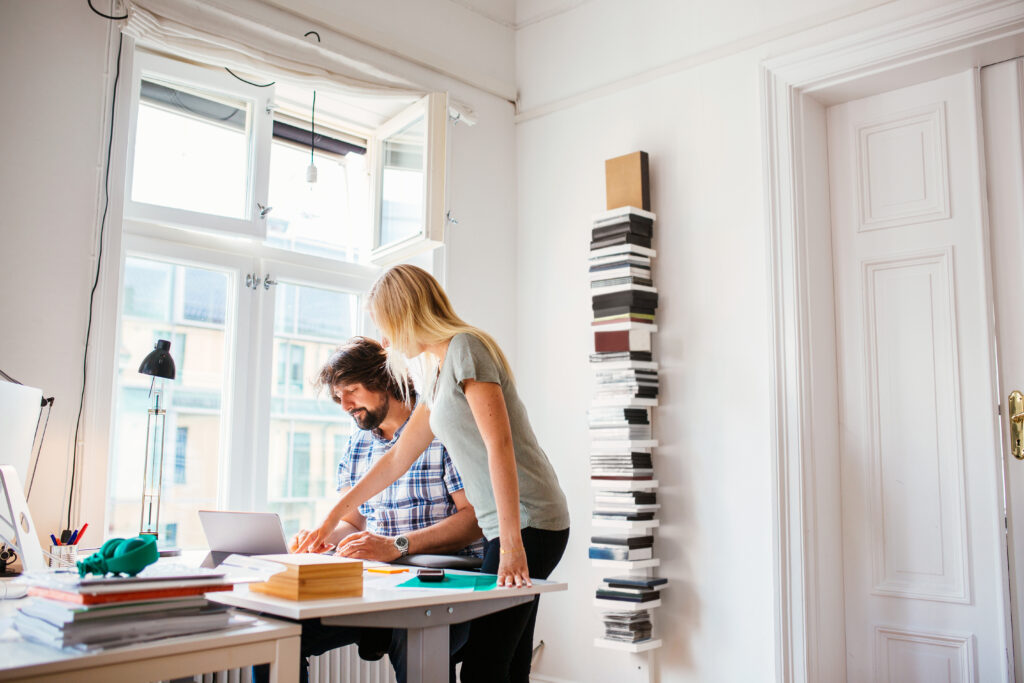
x=54, y=539
x=82, y=532
x=74, y=536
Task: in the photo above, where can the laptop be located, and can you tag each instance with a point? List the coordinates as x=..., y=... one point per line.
x=241, y=533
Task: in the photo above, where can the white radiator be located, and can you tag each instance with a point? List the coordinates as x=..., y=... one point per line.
x=337, y=666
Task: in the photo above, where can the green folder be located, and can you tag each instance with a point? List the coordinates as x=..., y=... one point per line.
x=483, y=582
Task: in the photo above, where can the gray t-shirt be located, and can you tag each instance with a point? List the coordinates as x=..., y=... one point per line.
x=541, y=501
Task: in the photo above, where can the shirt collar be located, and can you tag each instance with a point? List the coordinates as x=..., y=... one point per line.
x=379, y=437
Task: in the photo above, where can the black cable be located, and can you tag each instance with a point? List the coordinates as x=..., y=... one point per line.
x=8, y=377
x=312, y=126
x=96, y=279
x=39, y=451
x=105, y=16
x=265, y=85
x=312, y=33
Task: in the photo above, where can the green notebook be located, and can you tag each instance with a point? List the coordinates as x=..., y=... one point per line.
x=484, y=582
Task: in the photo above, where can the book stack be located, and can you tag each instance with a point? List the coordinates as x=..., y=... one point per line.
x=93, y=613
x=627, y=627
x=624, y=302
x=313, y=577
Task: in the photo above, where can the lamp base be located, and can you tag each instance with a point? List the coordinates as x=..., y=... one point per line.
x=168, y=550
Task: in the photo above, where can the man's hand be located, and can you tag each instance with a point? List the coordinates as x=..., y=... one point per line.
x=308, y=536
x=366, y=545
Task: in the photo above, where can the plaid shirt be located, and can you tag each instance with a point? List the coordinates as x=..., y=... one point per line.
x=420, y=498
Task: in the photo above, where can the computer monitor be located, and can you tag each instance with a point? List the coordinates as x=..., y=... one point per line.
x=19, y=415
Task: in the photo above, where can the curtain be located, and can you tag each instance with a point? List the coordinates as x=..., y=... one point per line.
x=210, y=35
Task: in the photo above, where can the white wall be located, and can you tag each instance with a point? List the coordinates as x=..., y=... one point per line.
x=53, y=60
x=679, y=81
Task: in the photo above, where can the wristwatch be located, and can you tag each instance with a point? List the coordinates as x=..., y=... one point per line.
x=402, y=545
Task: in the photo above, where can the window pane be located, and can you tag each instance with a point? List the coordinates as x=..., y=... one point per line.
x=193, y=401
x=401, y=214
x=205, y=296
x=191, y=151
x=147, y=289
x=326, y=218
x=305, y=428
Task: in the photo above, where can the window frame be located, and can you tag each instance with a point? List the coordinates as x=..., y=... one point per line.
x=434, y=110
x=258, y=148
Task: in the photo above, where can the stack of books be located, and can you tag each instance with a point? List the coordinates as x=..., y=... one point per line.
x=635, y=589
x=627, y=627
x=621, y=465
x=621, y=547
x=92, y=613
x=619, y=423
x=313, y=577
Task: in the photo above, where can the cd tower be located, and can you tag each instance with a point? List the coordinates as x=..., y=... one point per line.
x=622, y=443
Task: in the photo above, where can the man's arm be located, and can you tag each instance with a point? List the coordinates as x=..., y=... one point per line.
x=450, y=534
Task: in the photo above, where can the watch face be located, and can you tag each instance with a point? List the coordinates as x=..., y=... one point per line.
x=401, y=542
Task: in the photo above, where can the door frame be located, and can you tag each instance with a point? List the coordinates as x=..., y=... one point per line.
x=796, y=88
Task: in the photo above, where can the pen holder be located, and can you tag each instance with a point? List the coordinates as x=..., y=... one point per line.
x=63, y=556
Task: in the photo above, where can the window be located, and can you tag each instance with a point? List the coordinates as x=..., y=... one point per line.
x=255, y=276
x=180, y=454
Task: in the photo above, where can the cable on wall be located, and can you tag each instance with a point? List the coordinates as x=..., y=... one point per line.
x=258, y=85
x=99, y=261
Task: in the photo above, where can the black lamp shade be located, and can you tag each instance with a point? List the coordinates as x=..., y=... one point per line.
x=159, y=362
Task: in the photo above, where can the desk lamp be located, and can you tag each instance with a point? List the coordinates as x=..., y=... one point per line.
x=157, y=364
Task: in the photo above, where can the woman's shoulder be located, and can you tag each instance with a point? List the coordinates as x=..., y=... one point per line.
x=465, y=343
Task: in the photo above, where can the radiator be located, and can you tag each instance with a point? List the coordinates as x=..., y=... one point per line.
x=337, y=666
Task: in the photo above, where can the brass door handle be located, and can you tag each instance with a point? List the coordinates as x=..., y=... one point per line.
x=1016, y=411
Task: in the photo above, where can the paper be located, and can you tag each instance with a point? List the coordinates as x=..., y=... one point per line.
x=246, y=569
x=455, y=581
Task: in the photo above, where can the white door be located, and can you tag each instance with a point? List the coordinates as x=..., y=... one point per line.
x=1001, y=90
x=923, y=552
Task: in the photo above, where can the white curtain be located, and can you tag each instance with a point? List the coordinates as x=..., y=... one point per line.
x=210, y=35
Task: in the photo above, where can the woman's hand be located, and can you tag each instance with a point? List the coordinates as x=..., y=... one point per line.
x=512, y=569
x=314, y=540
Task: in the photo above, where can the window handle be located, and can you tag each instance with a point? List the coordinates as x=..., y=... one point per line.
x=264, y=210
x=267, y=282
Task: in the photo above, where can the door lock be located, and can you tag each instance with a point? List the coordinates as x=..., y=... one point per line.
x=1016, y=414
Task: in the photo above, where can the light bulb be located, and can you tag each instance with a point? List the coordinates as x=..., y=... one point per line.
x=311, y=173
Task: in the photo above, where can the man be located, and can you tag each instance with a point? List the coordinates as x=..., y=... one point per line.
x=425, y=511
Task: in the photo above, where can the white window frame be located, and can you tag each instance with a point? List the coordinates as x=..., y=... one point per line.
x=434, y=110
x=259, y=133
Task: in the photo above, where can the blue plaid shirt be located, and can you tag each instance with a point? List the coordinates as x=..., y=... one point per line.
x=420, y=498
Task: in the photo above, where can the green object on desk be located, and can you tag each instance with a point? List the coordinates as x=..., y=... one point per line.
x=121, y=556
x=478, y=583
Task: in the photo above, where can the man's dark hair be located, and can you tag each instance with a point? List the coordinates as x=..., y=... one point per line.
x=361, y=360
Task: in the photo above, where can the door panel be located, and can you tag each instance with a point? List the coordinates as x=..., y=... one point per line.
x=919, y=447
x=1002, y=87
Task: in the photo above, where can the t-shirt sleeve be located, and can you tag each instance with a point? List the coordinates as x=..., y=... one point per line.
x=452, y=480
x=471, y=360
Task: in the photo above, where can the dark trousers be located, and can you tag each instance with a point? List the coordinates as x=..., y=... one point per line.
x=500, y=645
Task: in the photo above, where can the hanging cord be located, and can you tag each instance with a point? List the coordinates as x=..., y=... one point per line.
x=312, y=126
x=258, y=85
x=105, y=16
x=96, y=279
x=48, y=402
x=307, y=34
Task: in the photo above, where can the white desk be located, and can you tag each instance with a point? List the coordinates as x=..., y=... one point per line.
x=426, y=613
x=266, y=641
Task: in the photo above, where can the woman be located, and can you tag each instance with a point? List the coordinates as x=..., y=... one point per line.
x=474, y=409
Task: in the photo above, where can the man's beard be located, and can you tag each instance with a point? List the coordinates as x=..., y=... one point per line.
x=370, y=419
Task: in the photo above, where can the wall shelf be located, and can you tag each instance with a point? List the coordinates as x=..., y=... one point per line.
x=624, y=402
x=623, y=606
x=626, y=565
x=641, y=646
x=625, y=484
x=606, y=446
x=641, y=525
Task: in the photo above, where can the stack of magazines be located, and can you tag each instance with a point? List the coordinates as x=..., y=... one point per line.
x=627, y=627
x=91, y=613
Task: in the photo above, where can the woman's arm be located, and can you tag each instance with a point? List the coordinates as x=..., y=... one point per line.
x=491, y=415
x=414, y=440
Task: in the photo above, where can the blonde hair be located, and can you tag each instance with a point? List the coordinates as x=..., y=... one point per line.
x=411, y=309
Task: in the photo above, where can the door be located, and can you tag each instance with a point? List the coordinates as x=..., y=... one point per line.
x=923, y=552
x=1001, y=91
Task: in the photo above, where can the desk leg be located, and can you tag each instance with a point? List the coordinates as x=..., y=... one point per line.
x=427, y=655
x=284, y=668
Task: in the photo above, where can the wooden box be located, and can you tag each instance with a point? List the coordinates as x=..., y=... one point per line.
x=313, y=577
x=627, y=181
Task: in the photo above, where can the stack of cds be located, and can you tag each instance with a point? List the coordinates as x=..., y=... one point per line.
x=621, y=465
x=618, y=423
x=637, y=589
x=627, y=627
